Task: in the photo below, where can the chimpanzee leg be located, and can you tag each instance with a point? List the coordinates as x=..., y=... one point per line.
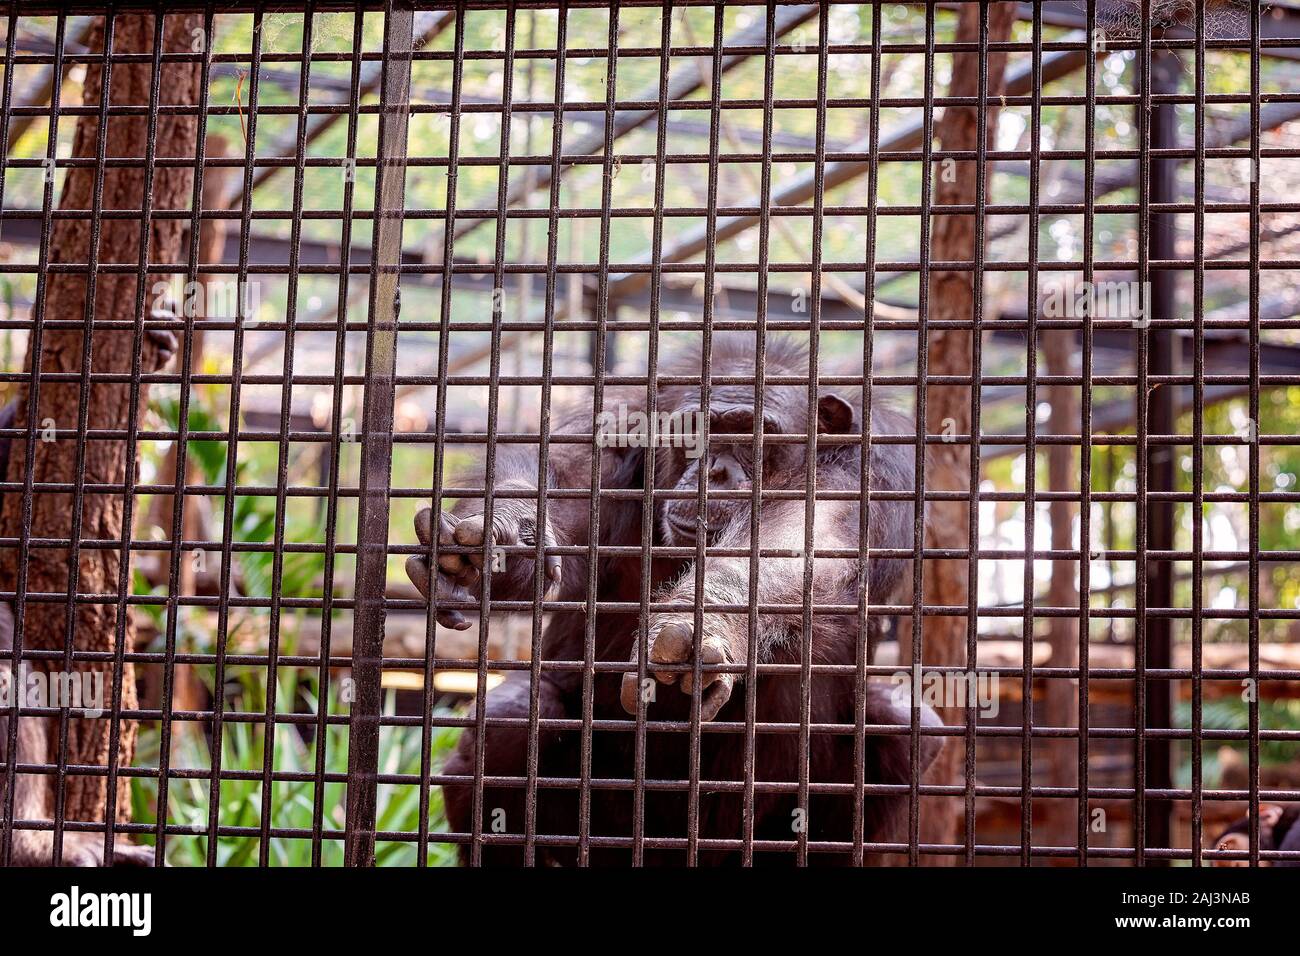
x=506, y=755
x=889, y=758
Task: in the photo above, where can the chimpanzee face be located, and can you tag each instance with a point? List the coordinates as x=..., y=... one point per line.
x=731, y=461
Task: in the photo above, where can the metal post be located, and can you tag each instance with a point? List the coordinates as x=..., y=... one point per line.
x=377, y=435
x=1164, y=356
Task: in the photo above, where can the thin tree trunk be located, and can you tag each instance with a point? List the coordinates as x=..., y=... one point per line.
x=1062, y=707
x=188, y=692
x=212, y=245
x=949, y=406
x=65, y=298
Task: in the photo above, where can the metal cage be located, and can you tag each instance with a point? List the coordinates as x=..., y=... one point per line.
x=464, y=216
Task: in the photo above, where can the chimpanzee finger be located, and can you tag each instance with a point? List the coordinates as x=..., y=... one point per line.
x=423, y=525
x=453, y=619
x=716, y=696
x=450, y=563
x=164, y=340
x=506, y=519
x=628, y=693
x=712, y=651
x=469, y=534
x=671, y=644
x=128, y=854
x=417, y=569
x=554, y=563
x=450, y=617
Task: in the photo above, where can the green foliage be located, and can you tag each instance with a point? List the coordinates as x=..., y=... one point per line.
x=296, y=748
x=254, y=517
x=209, y=456
x=293, y=804
x=1232, y=713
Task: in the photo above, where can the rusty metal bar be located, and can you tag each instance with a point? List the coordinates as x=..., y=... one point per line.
x=376, y=436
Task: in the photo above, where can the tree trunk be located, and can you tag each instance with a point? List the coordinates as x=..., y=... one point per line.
x=949, y=406
x=1062, y=705
x=62, y=352
x=188, y=692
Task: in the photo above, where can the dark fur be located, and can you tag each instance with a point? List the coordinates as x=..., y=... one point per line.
x=834, y=639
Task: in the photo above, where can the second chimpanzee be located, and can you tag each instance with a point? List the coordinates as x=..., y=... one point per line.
x=1278, y=830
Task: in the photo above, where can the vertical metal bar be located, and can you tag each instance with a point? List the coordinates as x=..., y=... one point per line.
x=760, y=378
x=493, y=408
x=132, y=445
x=598, y=408
x=922, y=364
x=377, y=433
x=1165, y=70
x=540, y=583
x=1253, y=551
x=440, y=416
x=868, y=395
x=1108, y=530
x=652, y=411
x=336, y=430
x=810, y=449
x=1085, y=424
x=6, y=98
x=976, y=402
x=1143, y=125
x=182, y=459
x=1198, y=440
x=225, y=586
x=706, y=397
x=83, y=425
x=1031, y=451
x=33, y=403
x=282, y=462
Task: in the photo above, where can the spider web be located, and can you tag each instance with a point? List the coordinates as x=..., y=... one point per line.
x=1123, y=19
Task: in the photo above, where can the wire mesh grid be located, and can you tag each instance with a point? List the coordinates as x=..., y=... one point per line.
x=347, y=264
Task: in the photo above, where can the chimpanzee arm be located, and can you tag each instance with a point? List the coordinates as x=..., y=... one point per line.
x=505, y=751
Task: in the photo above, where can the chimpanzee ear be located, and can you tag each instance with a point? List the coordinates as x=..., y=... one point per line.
x=835, y=416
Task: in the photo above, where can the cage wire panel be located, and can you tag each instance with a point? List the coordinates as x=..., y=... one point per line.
x=278, y=278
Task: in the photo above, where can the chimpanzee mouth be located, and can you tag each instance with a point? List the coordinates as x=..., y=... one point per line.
x=679, y=527
x=684, y=529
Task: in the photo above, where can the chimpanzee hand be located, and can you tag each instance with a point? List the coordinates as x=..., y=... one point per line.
x=460, y=572
x=165, y=345
x=672, y=642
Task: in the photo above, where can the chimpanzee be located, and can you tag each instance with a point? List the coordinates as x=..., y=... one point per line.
x=1277, y=831
x=33, y=797
x=723, y=646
